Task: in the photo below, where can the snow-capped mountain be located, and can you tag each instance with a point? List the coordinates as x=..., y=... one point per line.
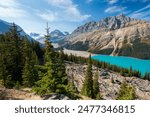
x=5, y=27
x=56, y=36
x=57, y=33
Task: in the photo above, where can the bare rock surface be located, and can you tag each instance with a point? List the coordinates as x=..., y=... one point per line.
x=119, y=36
x=26, y=94
x=109, y=90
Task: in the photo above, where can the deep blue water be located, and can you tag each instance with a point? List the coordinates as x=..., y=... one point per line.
x=126, y=62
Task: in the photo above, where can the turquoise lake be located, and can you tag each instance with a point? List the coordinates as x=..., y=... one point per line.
x=126, y=62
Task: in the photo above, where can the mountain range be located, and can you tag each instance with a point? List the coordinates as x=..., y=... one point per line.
x=118, y=36
x=56, y=36
x=5, y=27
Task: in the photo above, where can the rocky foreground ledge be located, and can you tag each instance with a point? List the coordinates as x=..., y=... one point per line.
x=27, y=94
x=22, y=94
x=109, y=90
x=76, y=73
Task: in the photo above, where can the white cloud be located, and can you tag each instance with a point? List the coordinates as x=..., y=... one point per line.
x=143, y=13
x=136, y=0
x=64, y=10
x=146, y=7
x=8, y=3
x=112, y=1
x=11, y=12
x=11, y=9
x=48, y=15
x=60, y=3
x=73, y=14
x=115, y=9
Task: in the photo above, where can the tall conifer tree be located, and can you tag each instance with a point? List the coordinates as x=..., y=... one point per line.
x=54, y=79
x=126, y=92
x=96, y=90
x=87, y=88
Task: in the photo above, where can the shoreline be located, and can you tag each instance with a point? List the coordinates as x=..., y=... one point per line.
x=78, y=53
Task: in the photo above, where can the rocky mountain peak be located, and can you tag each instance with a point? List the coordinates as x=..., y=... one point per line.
x=56, y=36
x=5, y=27
x=66, y=33
x=118, y=36
x=109, y=23
x=56, y=33
x=34, y=34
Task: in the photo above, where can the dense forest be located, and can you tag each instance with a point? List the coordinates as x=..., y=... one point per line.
x=25, y=63
x=18, y=59
x=123, y=71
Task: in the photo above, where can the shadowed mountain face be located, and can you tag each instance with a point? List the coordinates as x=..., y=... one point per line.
x=5, y=27
x=118, y=35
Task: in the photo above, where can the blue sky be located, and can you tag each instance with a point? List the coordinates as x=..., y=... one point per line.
x=66, y=15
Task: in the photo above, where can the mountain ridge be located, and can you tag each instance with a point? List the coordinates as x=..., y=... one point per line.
x=56, y=36
x=122, y=36
x=110, y=23
x=5, y=27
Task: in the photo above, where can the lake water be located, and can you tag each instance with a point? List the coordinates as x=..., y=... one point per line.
x=126, y=62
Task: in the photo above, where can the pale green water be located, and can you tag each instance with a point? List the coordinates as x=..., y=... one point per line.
x=126, y=62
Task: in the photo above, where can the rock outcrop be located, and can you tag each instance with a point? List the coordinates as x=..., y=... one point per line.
x=27, y=94
x=76, y=73
x=118, y=36
x=108, y=89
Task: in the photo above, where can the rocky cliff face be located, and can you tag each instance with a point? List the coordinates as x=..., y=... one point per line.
x=118, y=35
x=109, y=23
x=109, y=90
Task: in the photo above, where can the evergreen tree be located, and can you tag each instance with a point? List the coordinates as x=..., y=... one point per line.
x=11, y=57
x=103, y=65
x=17, y=86
x=61, y=76
x=4, y=75
x=9, y=83
x=87, y=88
x=55, y=78
x=146, y=76
x=71, y=90
x=3, y=71
x=130, y=71
x=16, y=54
x=29, y=75
x=14, y=49
x=126, y=92
x=96, y=91
x=47, y=83
x=99, y=97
